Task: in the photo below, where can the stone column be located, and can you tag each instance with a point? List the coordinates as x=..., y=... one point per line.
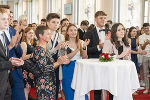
x=15, y=10
x=49, y=6
x=30, y=11
x=148, y=11
x=75, y=11
x=115, y=11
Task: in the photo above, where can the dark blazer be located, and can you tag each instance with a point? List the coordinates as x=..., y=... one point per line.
x=81, y=34
x=5, y=65
x=92, y=50
x=15, y=51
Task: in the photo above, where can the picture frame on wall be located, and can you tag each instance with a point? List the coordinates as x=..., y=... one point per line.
x=68, y=9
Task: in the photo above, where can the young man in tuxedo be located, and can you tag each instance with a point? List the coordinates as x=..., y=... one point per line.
x=97, y=37
x=6, y=63
x=83, y=29
x=15, y=50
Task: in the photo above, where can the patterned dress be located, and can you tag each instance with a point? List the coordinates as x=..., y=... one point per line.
x=46, y=82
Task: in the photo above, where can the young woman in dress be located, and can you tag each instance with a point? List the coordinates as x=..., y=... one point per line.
x=134, y=41
x=75, y=49
x=118, y=45
x=27, y=49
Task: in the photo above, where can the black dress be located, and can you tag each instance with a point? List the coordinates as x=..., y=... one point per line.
x=134, y=56
x=120, y=50
x=28, y=77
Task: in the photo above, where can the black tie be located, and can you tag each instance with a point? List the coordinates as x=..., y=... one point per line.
x=4, y=42
x=101, y=30
x=84, y=31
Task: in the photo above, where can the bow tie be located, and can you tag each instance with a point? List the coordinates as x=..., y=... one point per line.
x=101, y=30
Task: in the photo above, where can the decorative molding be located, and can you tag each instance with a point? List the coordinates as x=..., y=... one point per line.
x=131, y=7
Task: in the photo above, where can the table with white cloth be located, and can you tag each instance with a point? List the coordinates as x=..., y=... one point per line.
x=119, y=77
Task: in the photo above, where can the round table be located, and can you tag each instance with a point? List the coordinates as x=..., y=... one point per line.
x=118, y=77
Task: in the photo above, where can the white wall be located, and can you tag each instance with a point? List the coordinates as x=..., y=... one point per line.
x=110, y=7
x=125, y=14
x=106, y=6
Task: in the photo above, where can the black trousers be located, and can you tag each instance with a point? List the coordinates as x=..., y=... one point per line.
x=97, y=95
x=6, y=94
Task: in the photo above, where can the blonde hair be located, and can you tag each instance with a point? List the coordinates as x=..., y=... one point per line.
x=22, y=17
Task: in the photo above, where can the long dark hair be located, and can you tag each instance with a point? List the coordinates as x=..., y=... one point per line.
x=130, y=30
x=114, y=38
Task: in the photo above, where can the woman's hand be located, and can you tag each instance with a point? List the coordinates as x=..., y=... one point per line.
x=147, y=42
x=108, y=36
x=64, y=44
x=63, y=60
x=86, y=42
x=66, y=60
x=125, y=54
x=61, y=45
x=143, y=52
x=101, y=44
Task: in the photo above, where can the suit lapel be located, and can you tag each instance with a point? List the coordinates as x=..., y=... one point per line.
x=96, y=35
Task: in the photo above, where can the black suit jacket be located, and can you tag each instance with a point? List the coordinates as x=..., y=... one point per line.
x=81, y=34
x=92, y=50
x=5, y=65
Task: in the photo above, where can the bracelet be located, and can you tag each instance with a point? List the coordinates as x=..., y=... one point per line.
x=84, y=48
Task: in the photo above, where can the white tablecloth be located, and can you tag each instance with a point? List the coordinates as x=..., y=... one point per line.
x=118, y=77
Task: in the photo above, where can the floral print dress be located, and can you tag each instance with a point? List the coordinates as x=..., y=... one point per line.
x=46, y=82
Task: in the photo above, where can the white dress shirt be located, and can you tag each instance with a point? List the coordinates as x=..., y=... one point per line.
x=101, y=36
x=8, y=34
